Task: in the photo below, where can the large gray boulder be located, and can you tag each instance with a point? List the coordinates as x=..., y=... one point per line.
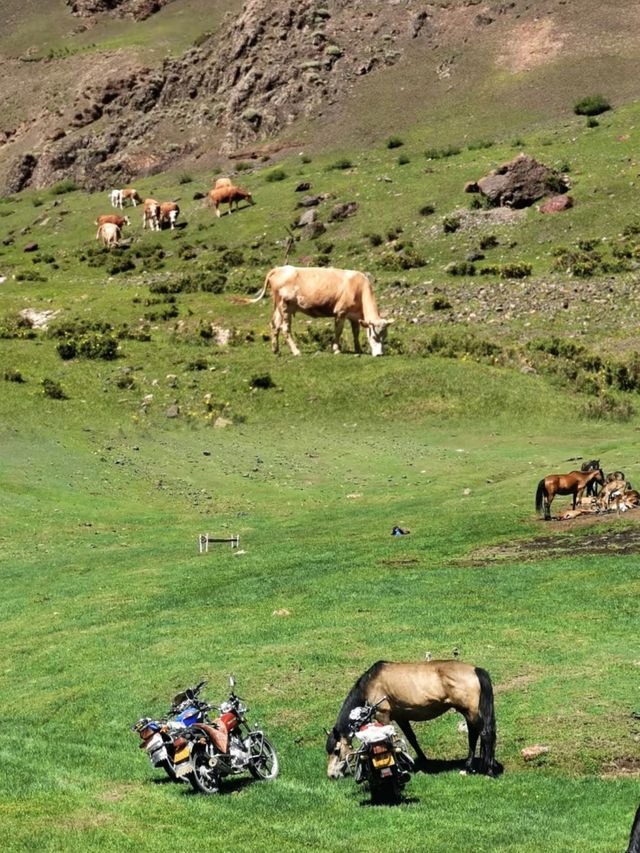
x=519, y=183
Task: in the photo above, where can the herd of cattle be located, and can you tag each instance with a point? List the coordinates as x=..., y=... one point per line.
x=157, y=215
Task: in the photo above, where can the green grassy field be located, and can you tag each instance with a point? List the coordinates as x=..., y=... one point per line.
x=108, y=609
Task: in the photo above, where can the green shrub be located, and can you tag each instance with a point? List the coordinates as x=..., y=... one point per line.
x=67, y=185
x=440, y=303
x=333, y=50
x=12, y=375
x=275, y=175
x=441, y=153
x=53, y=389
x=342, y=163
x=124, y=264
x=243, y=166
x=516, y=269
x=401, y=258
x=403, y=159
x=593, y=105
x=30, y=275
x=427, y=210
x=185, y=178
x=608, y=408
x=394, y=142
x=480, y=144
x=92, y=345
x=450, y=224
x=489, y=241
x=375, y=239
x=263, y=381
x=593, y=122
x=305, y=158
x=460, y=268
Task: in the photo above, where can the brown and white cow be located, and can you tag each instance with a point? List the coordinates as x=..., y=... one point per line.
x=229, y=194
x=114, y=218
x=151, y=214
x=169, y=212
x=131, y=195
x=109, y=233
x=222, y=182
x=324, y=292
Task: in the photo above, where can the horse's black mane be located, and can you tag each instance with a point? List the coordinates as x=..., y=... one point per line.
x=355, y=697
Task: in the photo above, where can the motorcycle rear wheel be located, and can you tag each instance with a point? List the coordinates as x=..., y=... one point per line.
x=204, y=778
x=263, y=763
x=385, y=792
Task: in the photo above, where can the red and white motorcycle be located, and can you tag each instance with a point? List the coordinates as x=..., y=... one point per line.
x=382, y=760
x=225, y=746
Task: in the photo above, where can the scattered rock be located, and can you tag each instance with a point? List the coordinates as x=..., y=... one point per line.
x=466, y=492
x=38, y=319
x=310, y=200
x=315, y=230
x=221, y=423
x=303, y=187
x=281, y=612
x=307, y=218
x=343, y=211
x=530, y=753
x=173, y=411
x=556, y=204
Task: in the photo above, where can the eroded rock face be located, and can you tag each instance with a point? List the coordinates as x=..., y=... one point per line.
x=136, y=9
x=520, y=182
x=20, y=173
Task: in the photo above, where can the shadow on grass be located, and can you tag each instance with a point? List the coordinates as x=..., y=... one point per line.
x=227, y=786
x=434, y=766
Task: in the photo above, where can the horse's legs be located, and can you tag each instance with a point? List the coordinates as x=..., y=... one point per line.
x=275, y=329
x=407, y=731
x=473, y=729
x=547, y=507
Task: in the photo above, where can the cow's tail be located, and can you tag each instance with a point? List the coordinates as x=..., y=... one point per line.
x=262, y=292
x=488, y=764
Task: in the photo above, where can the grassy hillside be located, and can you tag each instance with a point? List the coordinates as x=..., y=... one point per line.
x=107, y=607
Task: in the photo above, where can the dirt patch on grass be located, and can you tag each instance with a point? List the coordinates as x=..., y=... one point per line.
x=532, y=44
x=619, y=540
x=399, y=562
x=622, y=768
x=515, y=683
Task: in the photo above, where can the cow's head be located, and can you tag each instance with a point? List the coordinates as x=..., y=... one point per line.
x=126, y=221
x=377, y=335
x=338, y=749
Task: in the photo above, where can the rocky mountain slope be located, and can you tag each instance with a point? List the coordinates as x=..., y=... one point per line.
x=280, y=64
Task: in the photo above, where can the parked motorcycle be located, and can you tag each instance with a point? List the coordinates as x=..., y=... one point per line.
x=225, y=746
x=163, y=739
x=382, y=760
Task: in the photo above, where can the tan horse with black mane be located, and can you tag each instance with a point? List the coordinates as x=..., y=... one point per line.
x=574, y=483
x=420, y=691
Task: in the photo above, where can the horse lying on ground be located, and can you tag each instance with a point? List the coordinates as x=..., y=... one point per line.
x=420, y=691
x=573, y=483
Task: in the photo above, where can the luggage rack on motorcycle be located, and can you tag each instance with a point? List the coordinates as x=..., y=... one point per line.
x=204, y=540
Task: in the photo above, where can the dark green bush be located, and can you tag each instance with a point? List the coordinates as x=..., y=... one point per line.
x=440, y=303
x=608, y=408
x=275, y=175
x=119, y=265
x=593, y=105
x=427, y=210
x=460, y=268
x=516, y=269
x=480, y=144
x=403, y=159
x=395, y=142
x=12, y=375
x=342, y=163
x=441, y=153
x=91, y=345
x=185, y=178
x=489, y=241
x=67, y=185
x=593, y=122
x=30, y=275
x=450, y=224
x=53, y=389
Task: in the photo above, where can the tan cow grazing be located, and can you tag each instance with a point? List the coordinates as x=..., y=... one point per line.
x=324, y=292
x=109, y=233
x=120, y=221
x=151, y=214
x=169, y=212
x=230, y=194
x=130, y=195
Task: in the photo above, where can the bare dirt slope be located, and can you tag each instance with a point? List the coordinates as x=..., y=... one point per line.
x=273, y=70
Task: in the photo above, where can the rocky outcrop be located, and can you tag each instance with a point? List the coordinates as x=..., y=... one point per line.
x=20, y=173
x=136, y=9
x=519, y=183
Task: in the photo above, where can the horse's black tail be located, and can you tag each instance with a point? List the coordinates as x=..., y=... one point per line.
x=488, y=764
x=541, y=494
x=634, y=840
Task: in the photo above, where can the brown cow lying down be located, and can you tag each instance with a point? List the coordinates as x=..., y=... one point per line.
x=229, y=194
x=324, y=292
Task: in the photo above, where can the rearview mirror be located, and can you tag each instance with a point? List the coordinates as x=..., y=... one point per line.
x=232, y=682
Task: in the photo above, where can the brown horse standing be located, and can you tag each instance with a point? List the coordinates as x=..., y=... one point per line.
x=574, y=483
x=420, y=691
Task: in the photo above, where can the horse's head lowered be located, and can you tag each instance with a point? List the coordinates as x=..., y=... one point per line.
x=338, y=749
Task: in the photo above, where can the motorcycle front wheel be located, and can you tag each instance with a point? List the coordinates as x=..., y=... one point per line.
x=263, y=763
x=204, y=778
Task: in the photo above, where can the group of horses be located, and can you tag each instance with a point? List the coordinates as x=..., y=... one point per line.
x=615, y=489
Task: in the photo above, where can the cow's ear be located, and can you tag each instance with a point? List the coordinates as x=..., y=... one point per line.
x=388, y=322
